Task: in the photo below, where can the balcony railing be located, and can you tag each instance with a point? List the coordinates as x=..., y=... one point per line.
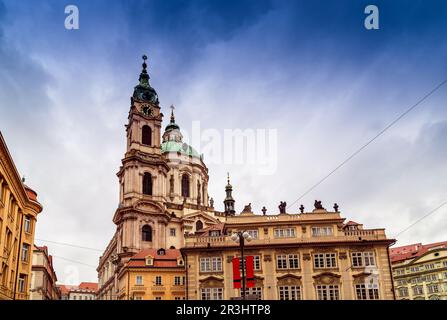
x=353, y=235
x=158, y=288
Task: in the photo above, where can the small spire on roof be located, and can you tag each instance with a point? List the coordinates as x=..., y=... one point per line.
x=172, y=113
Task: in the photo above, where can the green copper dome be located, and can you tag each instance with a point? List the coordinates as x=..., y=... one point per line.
x=183, y=148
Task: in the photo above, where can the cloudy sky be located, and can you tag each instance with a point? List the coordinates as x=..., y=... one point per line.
x=308, y=72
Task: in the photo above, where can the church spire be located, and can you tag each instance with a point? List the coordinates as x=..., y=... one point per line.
x=229, y=201
x=144, y=76
x=143, y=92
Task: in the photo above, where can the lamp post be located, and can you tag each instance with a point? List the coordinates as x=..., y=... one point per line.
x=241, y=237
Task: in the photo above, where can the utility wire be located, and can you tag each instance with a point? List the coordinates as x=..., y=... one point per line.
x=70, y=245
x=370, y=141
x=421, y=218
x=74, y=261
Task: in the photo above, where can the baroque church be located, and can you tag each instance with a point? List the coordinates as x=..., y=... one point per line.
x=163, y=187
x=170, y=242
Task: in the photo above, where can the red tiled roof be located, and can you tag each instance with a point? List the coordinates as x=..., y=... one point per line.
x=169, y=254
x=412, y=251
x=168, y=260
x=92, y=286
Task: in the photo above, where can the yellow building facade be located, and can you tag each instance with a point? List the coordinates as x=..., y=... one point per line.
x=420, y=271
x=307, y=256
x=153, y=275
x=18, y=215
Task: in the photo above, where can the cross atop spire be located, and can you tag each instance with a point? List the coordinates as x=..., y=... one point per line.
x=172, y=114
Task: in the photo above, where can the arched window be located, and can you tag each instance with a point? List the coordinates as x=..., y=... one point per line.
x=147, y=183
x=185, y=185
x=146, y=135
x=199, y=225
x=146, y=233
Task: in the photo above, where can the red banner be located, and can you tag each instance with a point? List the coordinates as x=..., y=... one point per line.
x=236, y=274
x=249, y=272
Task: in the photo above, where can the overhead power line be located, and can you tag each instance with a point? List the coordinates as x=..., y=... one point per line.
x=70, y=245
x=421, y=218
x=370, y=141
x=75, y=261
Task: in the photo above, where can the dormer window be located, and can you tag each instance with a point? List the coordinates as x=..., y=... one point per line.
x=180, y=262
x=149, y=261
x=161, y=252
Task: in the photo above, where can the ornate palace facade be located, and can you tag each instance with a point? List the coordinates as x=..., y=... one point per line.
x=164, y=206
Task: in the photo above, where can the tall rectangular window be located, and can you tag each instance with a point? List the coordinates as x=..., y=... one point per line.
x=325, y=260
x=403, y=292
x=139, y=280
x=284, y=233
x=363, y=259
x=22, y=283
x=158, y=281
x=367, y=291
x=289, y=292
x=328, y=292
x=27, y=224
x=287, y=261
x=177, y=281
x=322, y=231
x=25, y=252
x=211, y=264
x=172, y=232
x=211, y=293
x=253, y=233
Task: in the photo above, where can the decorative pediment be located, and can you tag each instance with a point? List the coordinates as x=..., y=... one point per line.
x=192, y=217
x=327, y=278
x=211, y=282
x=149, y=206
x=289, y=279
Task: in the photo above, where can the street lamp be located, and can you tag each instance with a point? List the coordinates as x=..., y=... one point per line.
x=241, y=237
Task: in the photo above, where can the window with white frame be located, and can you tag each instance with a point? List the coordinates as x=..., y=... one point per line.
x=289, y=292
x=255, y=291
x=328, y=292
x=25, y=252
x=22, y=283
x=418, y=290
x=158, y=281
x=414, y=269
x=284, y=233
x=139, y=280
x=287, y=261
x=325, y=260
x=432, y=288
x=27, y=224
x=403, y=292
x=172, y=232
x=363, y=259
x=400, y=271
x=215, y=233
x=322, y=231
x=367, y=291
x=210, y=264
x=177, y=281
x=253, y=233
x=211, y=293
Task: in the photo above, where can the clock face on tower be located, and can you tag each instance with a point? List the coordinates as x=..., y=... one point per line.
x=147, y=110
